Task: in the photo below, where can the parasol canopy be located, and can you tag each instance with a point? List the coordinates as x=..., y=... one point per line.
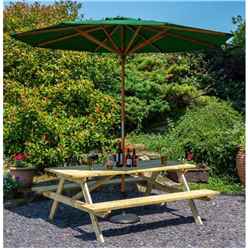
x=123, y=36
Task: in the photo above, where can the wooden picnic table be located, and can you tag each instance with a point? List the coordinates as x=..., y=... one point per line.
x=82, y=175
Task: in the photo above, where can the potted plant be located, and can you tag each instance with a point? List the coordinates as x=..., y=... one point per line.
x=22, y=171
x=240, y=160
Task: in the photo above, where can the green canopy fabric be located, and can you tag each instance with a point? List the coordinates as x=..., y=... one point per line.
x=123, y=36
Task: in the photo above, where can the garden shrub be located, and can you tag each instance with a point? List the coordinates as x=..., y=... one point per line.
x=52, y=125
x=53, y=111
x=10, y=185
x=213, y=131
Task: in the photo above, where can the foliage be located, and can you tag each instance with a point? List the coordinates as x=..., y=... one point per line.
x=226, y=69
x=239, y=34
x=10, y=185
x=52, y=113
x=21, y=16
x=159, y=88
x=59, y=105
x=213, y=130
x=222, y=184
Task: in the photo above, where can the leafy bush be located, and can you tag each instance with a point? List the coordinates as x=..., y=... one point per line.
x=213, y=131
x=53, y=111
x=52, y=125
x=10, y=185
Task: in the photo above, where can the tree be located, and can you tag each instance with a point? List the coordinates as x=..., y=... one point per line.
x=238, y=39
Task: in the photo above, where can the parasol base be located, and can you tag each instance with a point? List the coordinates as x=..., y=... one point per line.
x=125, y=218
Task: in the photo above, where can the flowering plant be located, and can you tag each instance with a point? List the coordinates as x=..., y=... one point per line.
x=19, y=159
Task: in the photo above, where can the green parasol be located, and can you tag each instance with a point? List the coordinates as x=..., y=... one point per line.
x=123, y=36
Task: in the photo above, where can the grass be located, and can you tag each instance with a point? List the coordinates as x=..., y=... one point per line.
x=224, y=185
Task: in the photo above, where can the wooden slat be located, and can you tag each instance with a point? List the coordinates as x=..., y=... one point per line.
x=100, y=182
x=69, y=201
x=80, y=172
x=150, y=200
x=40, y=189
x=162, y=187
x=92, y=185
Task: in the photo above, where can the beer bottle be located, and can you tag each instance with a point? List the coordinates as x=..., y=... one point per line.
x=134, y=159
x=129, y=159
x=119, y=156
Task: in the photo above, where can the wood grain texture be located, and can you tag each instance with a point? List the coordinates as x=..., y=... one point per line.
x=56, y=201
x=71, y=202
x=192, y=205
x=81, y=172
x=150, y=200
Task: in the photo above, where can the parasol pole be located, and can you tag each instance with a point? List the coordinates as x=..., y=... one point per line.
x=123, y=218
x=123, y=61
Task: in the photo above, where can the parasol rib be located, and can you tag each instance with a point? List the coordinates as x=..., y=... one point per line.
x=111, y=40
x=133, y=38
x=149, y=41
x=198, y=42
x=47, y=30
x=66, y=37
x=94, y=40
x=113, y=31
x=183, y=37
x=144, y=38
x=56, y=40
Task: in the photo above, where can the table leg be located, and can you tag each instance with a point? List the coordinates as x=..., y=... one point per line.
x=149, y=183
x=191, y=202
x=55, y=202
x=93, y=218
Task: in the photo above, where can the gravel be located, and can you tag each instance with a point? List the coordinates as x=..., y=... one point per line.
x=169, y=226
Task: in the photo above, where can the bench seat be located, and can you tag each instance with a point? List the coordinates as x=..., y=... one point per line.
x=150, y=200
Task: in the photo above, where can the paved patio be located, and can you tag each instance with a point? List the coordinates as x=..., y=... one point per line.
x=161, y=226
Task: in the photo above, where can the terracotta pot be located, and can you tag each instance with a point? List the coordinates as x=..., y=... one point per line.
x=240, y=164
x=23, y=175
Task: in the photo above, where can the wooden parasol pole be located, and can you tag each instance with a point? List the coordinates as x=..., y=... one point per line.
x=123, y=61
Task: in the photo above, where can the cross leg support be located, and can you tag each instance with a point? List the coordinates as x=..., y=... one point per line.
x=150, y=183
x=55, y=202
x=192, y=205
x=93, y=218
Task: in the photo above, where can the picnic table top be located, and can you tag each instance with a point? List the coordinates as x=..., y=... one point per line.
x=80, y=172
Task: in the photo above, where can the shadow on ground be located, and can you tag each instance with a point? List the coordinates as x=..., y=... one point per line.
x=75, y=219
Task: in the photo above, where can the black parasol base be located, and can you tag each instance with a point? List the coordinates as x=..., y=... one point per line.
x=125, y=218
